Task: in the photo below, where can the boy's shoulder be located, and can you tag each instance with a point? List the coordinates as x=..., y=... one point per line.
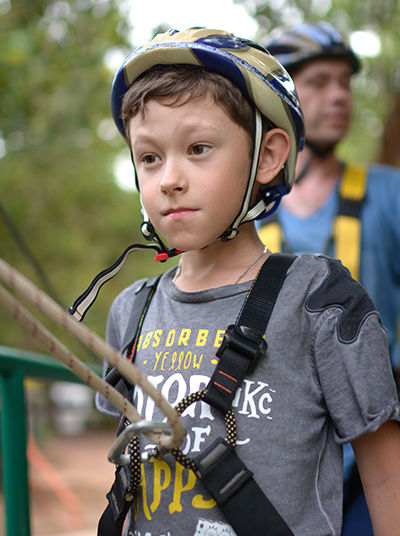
x=329, y=285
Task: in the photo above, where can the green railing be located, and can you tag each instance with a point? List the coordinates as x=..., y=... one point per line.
x=15, y=365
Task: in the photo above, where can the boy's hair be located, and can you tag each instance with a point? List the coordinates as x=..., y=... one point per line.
x=182, y=83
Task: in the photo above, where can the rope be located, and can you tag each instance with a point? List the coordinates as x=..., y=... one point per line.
x=23, y=286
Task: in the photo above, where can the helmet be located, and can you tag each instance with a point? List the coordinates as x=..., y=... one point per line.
x=249, y=66
x=308, y=41
x=261, y=79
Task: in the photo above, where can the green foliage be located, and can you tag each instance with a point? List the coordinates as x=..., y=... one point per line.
x=376, y=86
x=57, y=182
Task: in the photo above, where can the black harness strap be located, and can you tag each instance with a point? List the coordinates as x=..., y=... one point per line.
x=238, y=495
x=113, y=517
x=244, y=343
x=135, y=321
x=120, y=496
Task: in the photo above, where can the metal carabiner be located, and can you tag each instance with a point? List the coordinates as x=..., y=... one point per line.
x=116, y=455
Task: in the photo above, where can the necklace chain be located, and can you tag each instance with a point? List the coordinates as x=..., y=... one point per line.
x=178, y=270
x=251, y=266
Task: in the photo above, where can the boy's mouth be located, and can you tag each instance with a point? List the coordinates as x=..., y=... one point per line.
x=178, y=212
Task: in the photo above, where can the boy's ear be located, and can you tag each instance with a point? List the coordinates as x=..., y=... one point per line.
x=275, y=148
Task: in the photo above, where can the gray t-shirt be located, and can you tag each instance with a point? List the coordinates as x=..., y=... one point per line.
x=325, y=381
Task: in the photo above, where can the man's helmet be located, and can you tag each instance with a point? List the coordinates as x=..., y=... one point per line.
x=308, y=41
x=249, y=66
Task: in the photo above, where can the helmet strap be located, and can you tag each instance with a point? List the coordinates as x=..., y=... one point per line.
x=233, y=230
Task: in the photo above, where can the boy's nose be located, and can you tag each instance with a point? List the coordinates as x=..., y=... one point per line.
x=172, y=179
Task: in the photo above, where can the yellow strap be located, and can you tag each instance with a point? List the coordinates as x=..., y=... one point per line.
x=347, y=229
x=271, y=236
x=353, y=181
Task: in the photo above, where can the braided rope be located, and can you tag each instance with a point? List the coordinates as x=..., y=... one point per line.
x=230, y=424
x=100, y=348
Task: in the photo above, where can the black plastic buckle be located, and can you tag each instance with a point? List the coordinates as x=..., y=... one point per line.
x=221, y=470
x=244, y=341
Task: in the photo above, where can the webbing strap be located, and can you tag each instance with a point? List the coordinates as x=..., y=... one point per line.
x=237, y=494
x=347, y=225
x=144, y=295
x=346, y=228
x=113, y=517
x=142, y=301
x=127, y=479
x=244, y=344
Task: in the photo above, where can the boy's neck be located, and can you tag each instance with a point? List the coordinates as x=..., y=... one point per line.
x=222, y=263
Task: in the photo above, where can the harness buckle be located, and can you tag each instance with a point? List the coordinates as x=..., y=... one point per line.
x=221, y=470
x=244, y=341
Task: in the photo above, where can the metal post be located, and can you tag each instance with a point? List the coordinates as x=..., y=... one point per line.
x=13, y=447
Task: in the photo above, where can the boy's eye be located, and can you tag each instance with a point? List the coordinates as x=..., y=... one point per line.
x=199, y=148
x=149, y=159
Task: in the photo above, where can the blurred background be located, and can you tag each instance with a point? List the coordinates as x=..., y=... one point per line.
x=68, y=207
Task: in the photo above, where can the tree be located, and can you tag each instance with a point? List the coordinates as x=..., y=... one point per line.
x=59, y=148
x=376, y=87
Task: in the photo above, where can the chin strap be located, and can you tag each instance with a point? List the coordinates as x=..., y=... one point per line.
x=83, y=303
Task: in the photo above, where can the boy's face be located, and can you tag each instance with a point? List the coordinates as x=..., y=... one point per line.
x=192, y=163
x=323, y=86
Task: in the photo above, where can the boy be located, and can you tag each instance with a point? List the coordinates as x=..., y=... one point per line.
x=207, y=164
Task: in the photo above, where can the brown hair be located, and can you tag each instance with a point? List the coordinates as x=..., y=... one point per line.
x=183, y=83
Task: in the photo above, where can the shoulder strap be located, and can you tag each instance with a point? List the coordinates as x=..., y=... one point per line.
x=347, y=224
x=227, y=479
x=244, y=344
x=139, y=309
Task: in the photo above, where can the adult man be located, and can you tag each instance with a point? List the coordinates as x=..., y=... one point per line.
x=342, y=210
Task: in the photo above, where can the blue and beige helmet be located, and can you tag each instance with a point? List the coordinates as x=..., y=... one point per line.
x=293, y=47
x=249, y=66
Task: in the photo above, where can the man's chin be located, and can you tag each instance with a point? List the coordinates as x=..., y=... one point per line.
x=321, y=148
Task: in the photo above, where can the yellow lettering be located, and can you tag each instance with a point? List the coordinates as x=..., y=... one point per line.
x=158, y=355
x=156, y=338
x=174, y=356
x=139, y=342
x=188, y=359
x=218, y=338
x=199, y=502
x=160, y=482
x=181, y=356
x=197, y=362
x=202, y=337
x=147, y=339
x=179, y=488
x=170, y=338
x=166, y=354
x=184, y=337
x=146, y=510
